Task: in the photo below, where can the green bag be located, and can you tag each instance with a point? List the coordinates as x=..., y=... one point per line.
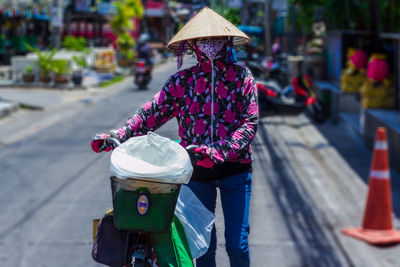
x=172, y=248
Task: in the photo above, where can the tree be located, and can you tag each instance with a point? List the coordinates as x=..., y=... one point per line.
x=122, y=24
x=233, y=15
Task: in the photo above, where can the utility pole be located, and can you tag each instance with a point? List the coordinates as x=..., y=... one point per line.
x=56, y=23
x=293, y=31
x=267, y=26
x=374, y=14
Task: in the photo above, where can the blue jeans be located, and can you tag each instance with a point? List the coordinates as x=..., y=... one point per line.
x=235, y=194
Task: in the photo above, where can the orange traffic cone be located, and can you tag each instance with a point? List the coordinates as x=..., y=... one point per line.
x=377, y=228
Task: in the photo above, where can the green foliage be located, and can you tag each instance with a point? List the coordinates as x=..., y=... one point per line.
x=126, y=10
x=219, y=5
x=121, y=21
x=60, y=66
x=125, y=43
x=72, y=43
x=305, y=13
x=122, y=24
x=45, y=59
x=29, y=69
x=233, y=15
x=135, y=7
x=390, y=15
x=114, y=80
x=80, y=61
x=347, y=14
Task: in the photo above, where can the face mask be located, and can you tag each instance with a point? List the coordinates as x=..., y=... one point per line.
x=210, y=47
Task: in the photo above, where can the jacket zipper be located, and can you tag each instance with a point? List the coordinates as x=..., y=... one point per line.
x=212, y=102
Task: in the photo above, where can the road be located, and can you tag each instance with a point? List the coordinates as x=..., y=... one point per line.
x=306, y=186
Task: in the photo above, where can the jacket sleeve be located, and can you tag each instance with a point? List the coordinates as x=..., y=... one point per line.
x=240, y=139
x=153, y=114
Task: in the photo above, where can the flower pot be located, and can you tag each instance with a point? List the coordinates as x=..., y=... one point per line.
x=60, y=79
x=77, y=78
x=124, y=63
x=44, y=78
x=28, y=77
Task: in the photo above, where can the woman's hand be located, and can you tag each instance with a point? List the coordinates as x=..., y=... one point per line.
x=199, y=157
x=99, y=143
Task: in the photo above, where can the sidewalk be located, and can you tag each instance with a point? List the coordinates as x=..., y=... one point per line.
x=44, y=99
x=310, y=182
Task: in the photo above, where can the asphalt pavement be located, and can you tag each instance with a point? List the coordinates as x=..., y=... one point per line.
x=308, y=182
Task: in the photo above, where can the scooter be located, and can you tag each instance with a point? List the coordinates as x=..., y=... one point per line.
x=272, y=101
x=303, y=92
x=142, y=74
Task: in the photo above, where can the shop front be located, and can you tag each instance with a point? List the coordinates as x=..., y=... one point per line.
x=157, y=22
x=369, y=82
x=23, y=23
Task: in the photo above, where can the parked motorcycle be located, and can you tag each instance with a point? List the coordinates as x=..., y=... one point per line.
x=288, y=101
x=272, y=101
x=304, y=93
x=142, y=74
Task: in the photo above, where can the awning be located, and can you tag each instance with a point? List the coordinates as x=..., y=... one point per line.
x=155, y=9
x=251, y=29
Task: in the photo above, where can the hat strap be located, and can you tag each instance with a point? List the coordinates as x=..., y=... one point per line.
x=231, y=54
x=181, y=53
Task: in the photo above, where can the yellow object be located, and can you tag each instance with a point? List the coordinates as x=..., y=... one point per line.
x=95, y=224
x=351, y=82
x=377, y=56
x=368, y=89
x=352, y=79
x=378, y=103
x=378, y=95
x=350, y=52
x=105, y=61
x=110, y=212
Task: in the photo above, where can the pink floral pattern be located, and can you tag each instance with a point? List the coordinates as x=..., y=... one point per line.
x=186, y=96
x=222, y=91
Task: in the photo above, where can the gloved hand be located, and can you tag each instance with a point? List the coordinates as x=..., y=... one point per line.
x=206, y=162
x=199, y=157
x=98, y=141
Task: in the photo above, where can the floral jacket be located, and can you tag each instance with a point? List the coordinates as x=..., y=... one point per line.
x=188, y=95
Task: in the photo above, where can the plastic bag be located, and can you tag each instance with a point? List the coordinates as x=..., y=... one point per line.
x=197, y=221
x=152, y=157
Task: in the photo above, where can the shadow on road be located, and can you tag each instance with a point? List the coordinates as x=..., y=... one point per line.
x=309, y=232
x=351, y=147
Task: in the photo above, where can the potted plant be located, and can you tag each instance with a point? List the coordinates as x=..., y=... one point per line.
x=60, y=69
x=28, y=76
x=72, y=43
x=77, y=75
x=44, y=63
x=125, y=43
x=122, y=25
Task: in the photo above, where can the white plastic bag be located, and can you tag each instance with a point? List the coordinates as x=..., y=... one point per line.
x=152, y=157
x=197, y=221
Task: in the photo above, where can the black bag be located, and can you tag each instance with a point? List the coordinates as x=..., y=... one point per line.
x=109, y=244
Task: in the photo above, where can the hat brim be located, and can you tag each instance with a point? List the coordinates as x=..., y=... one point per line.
x=208, y=24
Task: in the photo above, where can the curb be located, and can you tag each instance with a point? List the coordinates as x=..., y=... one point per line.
x=6, y=108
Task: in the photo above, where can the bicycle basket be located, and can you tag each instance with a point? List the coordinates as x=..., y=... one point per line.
x=143, y=205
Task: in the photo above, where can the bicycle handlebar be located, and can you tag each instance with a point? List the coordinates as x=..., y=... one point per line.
x=109, y=142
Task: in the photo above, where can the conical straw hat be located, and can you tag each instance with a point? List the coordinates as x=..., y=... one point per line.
x=207, y=23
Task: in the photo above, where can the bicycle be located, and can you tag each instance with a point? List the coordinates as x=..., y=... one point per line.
x=144, y=210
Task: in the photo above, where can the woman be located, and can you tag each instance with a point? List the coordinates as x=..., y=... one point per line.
x=215, y=103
